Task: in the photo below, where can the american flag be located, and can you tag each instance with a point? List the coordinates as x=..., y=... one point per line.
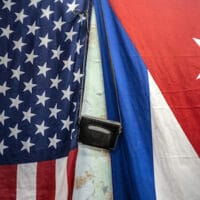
x=42, y=53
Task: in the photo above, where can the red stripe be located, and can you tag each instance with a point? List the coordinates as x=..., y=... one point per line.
x=162, y=32
x=8, y=183
x=46, y=180
x=71, y=163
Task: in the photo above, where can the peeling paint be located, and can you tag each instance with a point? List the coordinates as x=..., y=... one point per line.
x=81, y=180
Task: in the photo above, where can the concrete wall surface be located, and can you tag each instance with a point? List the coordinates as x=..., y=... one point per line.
x=93, y=170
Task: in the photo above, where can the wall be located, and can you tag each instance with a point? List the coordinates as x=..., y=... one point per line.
x=93, y=172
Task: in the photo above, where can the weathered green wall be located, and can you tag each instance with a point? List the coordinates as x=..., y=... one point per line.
x=93, y=172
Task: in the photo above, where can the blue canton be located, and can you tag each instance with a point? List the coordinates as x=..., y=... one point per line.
x=42, y=52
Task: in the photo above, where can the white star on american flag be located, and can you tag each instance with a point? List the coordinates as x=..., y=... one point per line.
x=34, y=3
x=42, y=99
x=2, y=147
x=55, y=82
x=66, y=123
x=44, y=41
x=14, y=131
x=43, y=70
x=29, y=86
x=4, y=60
x=6, y=32
x=70, y=34
x=72, y=6
x=41, y=128
x=67, y=93
x=18, y=44
x=32, y=28
x=68, y=63
x=30, y=57
x=58, y=24
x=28, y=115
x=56, y=53
x=20, y=16
x=17, y=73
x=54, y=111
x=53, y=141
x=77, y=76
x=46, y=12
x=78, y=47
x=27, y=145
x=3, y=88
x=8, y=4
x=3, y=117
x=15, y=102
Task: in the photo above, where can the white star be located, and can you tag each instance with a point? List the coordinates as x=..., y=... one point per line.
x=53, y=141
x=46, y=12
x=18, y=44
x=41, y=128
x=4, y=60
x=71, y=136
x=197, y=41
x=27, y=145
x=8, y=4
x=59, y=1
x=3, y=118
x=77, y=76
x=29, y=86
x=58, y=24
x=66, y=123
x=55, y=82
x=14, y=131
x=28, y=115
x=72, y=6
x=30, y=57
x=67, y=93
x=78, y=47
x=3, y=89
x=82, y=18
x=20, y=16
x=74, y=103
x=70, y=34
x=6, y=31
x=15, y=102
x=32, y=28
x=68, y=63
x=198, y=77
x=54, y=111
x=45, y=40
x=42, y=99
x=16, y=73
x=43, y=70
x=56, y=53
x=34, y=3
x=2, y=147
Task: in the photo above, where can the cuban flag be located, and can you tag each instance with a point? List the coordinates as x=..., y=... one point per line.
x=154, y=50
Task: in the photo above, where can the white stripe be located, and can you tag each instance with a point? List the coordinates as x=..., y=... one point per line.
x=176, y=164
x=61, y=179
x=26, y=181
